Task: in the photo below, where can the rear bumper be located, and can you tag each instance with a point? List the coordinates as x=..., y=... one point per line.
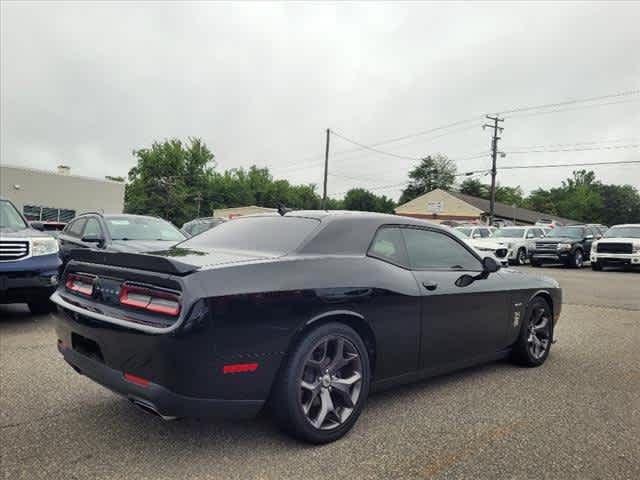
x=157, y=398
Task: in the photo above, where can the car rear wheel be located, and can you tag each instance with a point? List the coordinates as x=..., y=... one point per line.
x=536, y=333
x=324, y=384
x=521, y=256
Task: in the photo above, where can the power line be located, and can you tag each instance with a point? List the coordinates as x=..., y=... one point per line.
x=584, y=164
x=296, y=166
x=579, y=107
x=571, y=102
x=509, y=167
x=367, y=147
x=579, y=149
x=573, y=144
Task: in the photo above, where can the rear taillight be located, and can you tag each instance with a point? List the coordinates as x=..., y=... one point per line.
x=157, y=301
x=80, y=283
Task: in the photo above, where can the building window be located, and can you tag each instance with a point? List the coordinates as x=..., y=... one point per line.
x=47, y=214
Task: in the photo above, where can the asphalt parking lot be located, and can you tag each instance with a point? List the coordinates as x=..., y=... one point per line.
x=576, y=417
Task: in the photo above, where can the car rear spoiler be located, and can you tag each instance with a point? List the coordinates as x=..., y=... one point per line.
x=138, y=261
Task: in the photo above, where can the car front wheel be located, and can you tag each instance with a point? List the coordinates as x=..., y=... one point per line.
x=324, y=384
x=534, y=341
x=577, y=259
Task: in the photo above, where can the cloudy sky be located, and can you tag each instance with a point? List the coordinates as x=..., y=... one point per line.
x=85, y=84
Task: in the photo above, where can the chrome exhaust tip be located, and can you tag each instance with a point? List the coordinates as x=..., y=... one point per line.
x=150, y=408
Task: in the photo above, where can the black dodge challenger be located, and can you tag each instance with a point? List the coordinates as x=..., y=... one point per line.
x=305, y=311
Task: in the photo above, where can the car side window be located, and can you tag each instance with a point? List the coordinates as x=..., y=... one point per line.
x=430, y=249
x=75, y=228
x=484, y=232
x=92, y=227
x=388, y=244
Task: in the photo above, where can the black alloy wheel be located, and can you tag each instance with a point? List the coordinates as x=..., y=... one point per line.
x=536, y=335
x=324, y=384
x=331, y=382
x=577, y=259
x=521, y=256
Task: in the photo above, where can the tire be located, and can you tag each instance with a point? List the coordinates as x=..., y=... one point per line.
x=596, y=266
x=531, y=351
x=42, y=306
x=521, y=256
x=577, y=259
x=298, y=409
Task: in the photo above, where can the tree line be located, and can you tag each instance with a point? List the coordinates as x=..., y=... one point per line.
x=178, y=181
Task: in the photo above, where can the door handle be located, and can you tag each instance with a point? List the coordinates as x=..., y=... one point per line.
x=431, y=286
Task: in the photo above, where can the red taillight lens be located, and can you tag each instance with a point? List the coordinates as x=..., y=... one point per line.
x=80, y=283
x=157, y=301
x=143, y=382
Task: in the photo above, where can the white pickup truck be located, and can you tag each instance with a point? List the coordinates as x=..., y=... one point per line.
x=620, y=246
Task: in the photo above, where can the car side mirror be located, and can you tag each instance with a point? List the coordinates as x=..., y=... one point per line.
x=93, y=238
x=490, y=265
x=37, y=226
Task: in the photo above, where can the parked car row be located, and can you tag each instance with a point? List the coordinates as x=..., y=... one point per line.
x=570, y=245
x=33, y=255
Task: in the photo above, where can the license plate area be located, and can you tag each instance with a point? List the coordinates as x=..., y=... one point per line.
x=87, y=347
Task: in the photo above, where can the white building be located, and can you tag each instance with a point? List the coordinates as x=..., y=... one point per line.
x=58, y=196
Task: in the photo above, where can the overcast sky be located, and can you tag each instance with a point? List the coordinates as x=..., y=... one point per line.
x=85, y=84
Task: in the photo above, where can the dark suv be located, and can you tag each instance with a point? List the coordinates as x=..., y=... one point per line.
x=118, y=233
x=28, y=261
x=569, y=245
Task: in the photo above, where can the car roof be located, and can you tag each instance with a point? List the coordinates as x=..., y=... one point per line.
x=345, y=232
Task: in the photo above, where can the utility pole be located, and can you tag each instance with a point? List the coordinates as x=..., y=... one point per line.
x=494, y=155
x=326, y=168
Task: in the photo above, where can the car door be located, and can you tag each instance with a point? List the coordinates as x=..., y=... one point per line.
x=70, y=238
x=457, y=323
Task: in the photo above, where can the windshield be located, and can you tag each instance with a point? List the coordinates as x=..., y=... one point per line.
x=466, y=232
x=142, y=228
x=571, y=232
x=9, y=217
x=623, y=232
x=510, y=233
x=261, y=234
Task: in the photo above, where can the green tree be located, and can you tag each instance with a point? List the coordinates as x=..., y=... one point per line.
x=509, y=195
x=168, y=178
x=363, y=200
x=475, y=188
x=435, y=171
